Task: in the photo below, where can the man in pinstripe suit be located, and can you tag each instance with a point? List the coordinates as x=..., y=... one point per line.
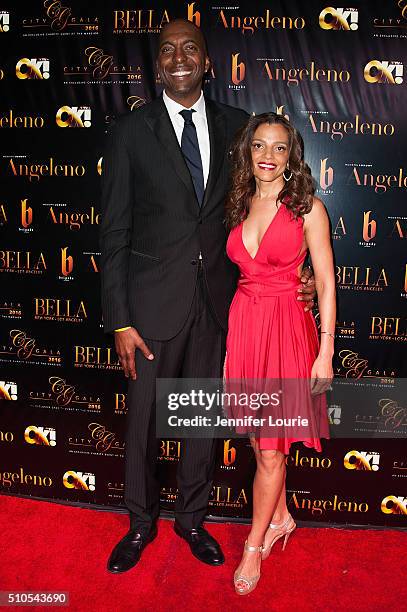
x=166, y=281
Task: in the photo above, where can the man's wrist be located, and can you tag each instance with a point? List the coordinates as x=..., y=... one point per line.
x=122, y=329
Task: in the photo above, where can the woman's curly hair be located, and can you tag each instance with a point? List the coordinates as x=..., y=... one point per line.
x=297, y=193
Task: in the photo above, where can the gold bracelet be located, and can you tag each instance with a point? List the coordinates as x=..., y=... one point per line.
x=329, y=334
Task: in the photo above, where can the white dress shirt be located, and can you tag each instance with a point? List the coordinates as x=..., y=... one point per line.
x=201, y=125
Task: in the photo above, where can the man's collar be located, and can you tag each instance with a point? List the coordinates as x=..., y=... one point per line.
x=174, y=108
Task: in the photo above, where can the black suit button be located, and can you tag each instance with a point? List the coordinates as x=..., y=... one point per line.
x=193, y=262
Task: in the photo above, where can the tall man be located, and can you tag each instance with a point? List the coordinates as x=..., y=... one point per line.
x=166, y=280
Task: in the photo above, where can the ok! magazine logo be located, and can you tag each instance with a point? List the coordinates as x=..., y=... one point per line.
x=384, y=72
x=331, y=18
x=34, y=68
x=74, y=117
x=362, y=460
x=4, y=21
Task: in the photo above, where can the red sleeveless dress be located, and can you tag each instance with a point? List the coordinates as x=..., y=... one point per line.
x=270, y=337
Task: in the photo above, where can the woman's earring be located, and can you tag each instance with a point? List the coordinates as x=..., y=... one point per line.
x=289, y=177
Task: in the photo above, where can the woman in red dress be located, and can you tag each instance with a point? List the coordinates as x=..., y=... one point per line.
x=274, y=219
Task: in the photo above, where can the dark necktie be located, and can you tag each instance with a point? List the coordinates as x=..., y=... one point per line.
x=191, y=153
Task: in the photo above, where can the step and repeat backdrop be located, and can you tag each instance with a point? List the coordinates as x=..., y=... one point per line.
x=68, y=69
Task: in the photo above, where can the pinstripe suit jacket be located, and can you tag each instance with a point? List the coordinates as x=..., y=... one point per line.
x=152, y=227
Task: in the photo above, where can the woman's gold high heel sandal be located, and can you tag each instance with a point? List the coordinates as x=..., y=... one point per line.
x=287, y=527
x=250, y=583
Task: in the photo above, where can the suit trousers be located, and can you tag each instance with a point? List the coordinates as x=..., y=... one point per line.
x=197, y=351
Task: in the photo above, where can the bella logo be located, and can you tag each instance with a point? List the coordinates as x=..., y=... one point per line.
x=361, y=460
x=391, y=328
x=339, y=19
x=16, y=261
x=44, y=436
x=120, y=403
x=3, y=215
x=384, y=72
x=339, y=229
x=32, y=68
x=52, y=309
x=398, y=228
x=170, y=450
x=96, y=357
x=355, y=276
x=140, y=20
x=224, y=496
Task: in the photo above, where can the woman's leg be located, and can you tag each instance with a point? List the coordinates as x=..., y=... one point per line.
x=267, y=487
x=268, y=483
x=281, y=511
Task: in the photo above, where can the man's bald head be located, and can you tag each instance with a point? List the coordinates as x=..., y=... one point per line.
x=182, y=24
x=182, y=61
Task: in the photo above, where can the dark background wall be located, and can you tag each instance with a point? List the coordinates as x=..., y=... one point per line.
x=66, y=71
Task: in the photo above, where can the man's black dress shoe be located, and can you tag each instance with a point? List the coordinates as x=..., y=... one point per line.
x=126, y=554
x=203, y=546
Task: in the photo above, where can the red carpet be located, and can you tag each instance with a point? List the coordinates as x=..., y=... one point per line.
x=53, y=547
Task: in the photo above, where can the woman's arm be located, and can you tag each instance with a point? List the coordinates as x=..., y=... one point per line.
x=318, y=239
